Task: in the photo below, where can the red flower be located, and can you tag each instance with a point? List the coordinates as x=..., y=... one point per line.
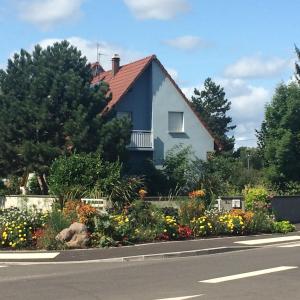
x=184, y=232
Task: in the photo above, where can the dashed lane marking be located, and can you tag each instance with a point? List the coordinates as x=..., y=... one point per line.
x=182, y=298
x=16, y=256
x=248, y=274
x=270, y=240
x=290, y=245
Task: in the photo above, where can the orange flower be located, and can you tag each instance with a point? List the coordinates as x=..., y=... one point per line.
x=197, y=193
x=142, y=193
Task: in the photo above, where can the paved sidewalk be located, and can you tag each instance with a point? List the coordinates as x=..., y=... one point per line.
x=162, y=249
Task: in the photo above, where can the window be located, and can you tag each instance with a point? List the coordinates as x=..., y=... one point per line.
x=175, y=121
x=122, y=114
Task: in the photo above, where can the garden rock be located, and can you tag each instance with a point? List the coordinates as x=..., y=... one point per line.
x=76, y=236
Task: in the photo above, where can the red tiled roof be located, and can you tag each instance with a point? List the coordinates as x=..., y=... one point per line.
x=126, y=77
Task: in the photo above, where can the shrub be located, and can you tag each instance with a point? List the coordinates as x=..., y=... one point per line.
x=231, y=224
x=33, y=186
x=261, y=223
x=202, y=226
x=182, y=169
x=78, y=211
x=191, y=209
x=124, y=191
x=55, y=222
x=76, y=175
x=283, y=227
x=256, y=198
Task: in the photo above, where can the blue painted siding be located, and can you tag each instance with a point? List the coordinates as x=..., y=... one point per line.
x=166, y=98
x=139, y=102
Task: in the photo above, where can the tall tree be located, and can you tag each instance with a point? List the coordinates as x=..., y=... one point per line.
x=279, y=138
x=211, y=103
x=48, y=108
x=297, y=66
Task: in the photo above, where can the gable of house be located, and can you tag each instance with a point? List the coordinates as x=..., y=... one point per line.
x=145, y=91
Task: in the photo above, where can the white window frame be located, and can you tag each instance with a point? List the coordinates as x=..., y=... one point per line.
x=172, y=130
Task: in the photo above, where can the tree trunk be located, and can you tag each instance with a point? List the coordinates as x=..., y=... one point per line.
x=43, y=184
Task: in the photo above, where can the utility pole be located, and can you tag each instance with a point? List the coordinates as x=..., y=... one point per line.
x=248, y=161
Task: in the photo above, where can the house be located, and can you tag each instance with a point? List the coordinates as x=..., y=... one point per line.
x=161, y=114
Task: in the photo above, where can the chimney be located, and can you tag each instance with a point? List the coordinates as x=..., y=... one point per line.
x=115, y=64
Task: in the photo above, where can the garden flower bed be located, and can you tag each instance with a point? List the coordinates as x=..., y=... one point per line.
x=138, y=222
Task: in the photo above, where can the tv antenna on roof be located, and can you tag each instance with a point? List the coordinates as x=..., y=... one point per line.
x=98, y=53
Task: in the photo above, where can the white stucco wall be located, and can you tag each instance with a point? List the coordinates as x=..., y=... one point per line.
x=167, y=98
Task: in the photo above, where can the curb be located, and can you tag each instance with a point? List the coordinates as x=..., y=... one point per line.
x=159, y=256
x=189, y=253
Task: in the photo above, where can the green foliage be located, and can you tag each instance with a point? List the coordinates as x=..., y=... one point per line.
x=78, y=174
x=12, y=186
x=256, y=198
x=224, y=174
x=261, y=223
x=125, y=190
x=155, y=180
x=290, y=188
x=212, y=105
x=48, y=108
x=297, y=73
x=33, y=186
x=181, y=169
x=56, y=221
x=279, y=138
x=283, y=227
x=191, y=209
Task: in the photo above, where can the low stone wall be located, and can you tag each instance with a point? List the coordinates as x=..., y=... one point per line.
x=286, y=208
x=43, y=203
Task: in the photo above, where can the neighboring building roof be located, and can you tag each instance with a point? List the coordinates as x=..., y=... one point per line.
x=127, y=76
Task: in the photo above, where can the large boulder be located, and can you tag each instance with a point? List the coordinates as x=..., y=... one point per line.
x=76, y=236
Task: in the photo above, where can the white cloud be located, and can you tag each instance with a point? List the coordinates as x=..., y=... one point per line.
x=48, y=13
x=89, y=49
x=157, y=9
x=173, y=73
x=257, y=67
x=247, y=107
x=187, y=42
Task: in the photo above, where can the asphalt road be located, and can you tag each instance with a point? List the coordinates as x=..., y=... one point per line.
x=162, y=279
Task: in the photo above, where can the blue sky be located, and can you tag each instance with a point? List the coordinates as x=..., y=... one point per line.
x=245, y=45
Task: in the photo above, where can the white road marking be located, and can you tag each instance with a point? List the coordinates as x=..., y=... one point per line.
x=270, y=240
x=290, y=245
x=248, y=274
x=46, y=255
x=181, y=298
x=3, y=266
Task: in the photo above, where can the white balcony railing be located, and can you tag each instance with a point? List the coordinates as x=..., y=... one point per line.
x=141, y=140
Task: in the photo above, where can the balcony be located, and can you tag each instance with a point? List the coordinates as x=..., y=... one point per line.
x=141, y=140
